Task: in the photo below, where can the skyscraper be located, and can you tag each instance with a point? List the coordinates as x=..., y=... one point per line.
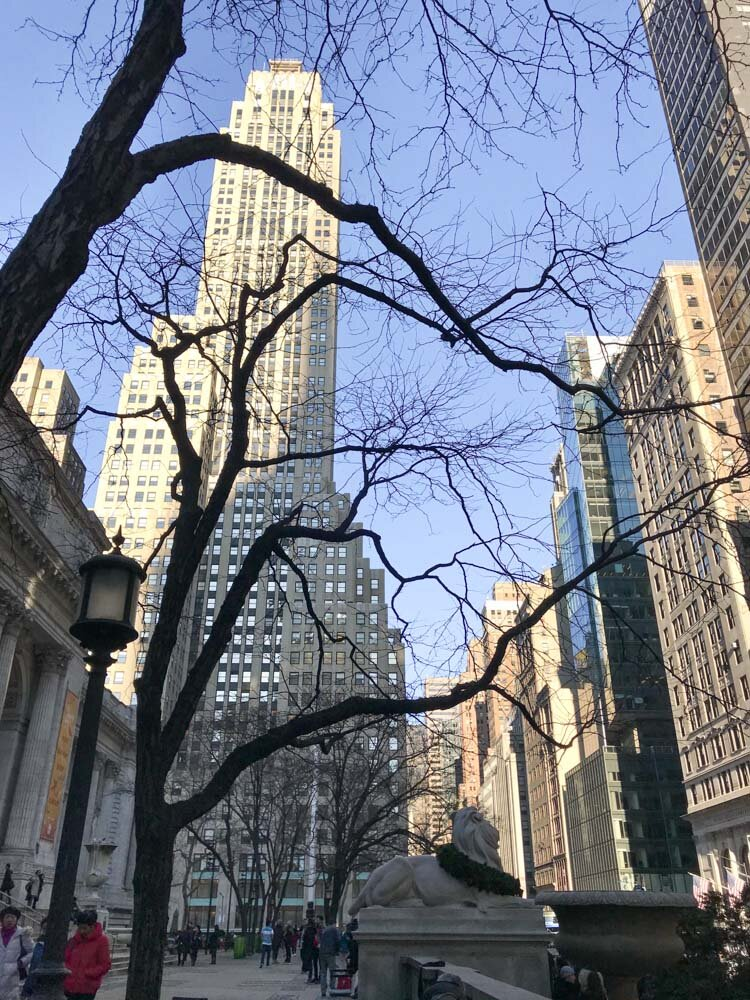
x=259, y=231
x=558, y=698
x=630, y=768
x=685, y=465
x=699, y=51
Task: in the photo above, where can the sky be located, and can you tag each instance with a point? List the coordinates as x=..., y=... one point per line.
x=623, y=170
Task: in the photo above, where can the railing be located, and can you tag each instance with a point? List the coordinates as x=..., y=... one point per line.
x=420, y=972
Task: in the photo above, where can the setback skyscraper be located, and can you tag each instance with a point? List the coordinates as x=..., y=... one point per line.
x=273, y=663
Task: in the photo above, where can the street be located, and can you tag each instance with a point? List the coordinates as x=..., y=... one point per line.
x=229, y=979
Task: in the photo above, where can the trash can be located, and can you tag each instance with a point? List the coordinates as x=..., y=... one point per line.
x=239, y=948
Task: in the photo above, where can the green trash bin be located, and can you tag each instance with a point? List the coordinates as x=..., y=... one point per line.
x=240, y=946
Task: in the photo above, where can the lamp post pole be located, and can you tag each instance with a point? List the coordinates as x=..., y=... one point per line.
x=105, y=622
x=51, y=973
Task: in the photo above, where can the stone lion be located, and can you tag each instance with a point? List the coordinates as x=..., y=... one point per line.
x=411, y=881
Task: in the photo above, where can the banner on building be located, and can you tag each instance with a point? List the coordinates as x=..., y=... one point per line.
x=59, y=775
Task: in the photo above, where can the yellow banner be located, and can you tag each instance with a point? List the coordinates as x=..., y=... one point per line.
x=60, y=768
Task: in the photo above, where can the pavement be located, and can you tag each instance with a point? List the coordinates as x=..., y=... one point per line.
x=229, y=979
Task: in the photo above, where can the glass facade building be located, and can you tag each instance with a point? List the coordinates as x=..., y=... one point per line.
x=616, y=839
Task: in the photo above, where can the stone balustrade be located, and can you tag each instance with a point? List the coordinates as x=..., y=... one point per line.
x=422, y=971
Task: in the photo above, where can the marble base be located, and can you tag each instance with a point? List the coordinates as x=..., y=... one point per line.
x=507, y=942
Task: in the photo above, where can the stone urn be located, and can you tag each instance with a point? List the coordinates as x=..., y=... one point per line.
x=623, y=935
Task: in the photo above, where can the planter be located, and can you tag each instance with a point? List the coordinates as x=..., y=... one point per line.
x=623, y=935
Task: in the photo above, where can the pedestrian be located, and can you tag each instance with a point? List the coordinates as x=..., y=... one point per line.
x=566, y=985
x=330, y=940
x=194, y=944
x=592, y=985
x=288, y=938
x=181, y=946
x=37, y=955
x=7, y=883
x=352, y=952
x=37, y=884
x=308, y=950
x=266, y=944
x=213, y=943
x=87, y=958
x=295, y=940
x=16, y=947
x=278, y=938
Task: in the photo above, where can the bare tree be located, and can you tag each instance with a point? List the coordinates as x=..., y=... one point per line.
x=488, y=311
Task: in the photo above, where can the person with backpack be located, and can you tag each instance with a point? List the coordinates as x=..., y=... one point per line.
x=16, y=947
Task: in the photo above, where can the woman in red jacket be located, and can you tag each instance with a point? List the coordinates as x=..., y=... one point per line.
x=87, y=957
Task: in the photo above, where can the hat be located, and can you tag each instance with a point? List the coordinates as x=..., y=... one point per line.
x=567, y=970
x=88, y=917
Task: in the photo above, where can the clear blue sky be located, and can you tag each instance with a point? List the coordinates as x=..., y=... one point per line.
x=40, y=122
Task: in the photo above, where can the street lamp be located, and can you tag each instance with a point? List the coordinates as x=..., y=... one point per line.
x=105, y=623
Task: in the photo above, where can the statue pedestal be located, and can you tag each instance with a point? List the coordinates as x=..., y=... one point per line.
x=508, y=942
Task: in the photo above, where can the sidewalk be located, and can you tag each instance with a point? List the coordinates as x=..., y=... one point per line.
x=229, y=979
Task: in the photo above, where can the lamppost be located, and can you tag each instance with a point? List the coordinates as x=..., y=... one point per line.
x=105, y=623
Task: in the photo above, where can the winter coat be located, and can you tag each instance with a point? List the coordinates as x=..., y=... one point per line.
x=330, y=939
x=36, y=960
x=88, y=960
x=308, y=942
x=21, y=947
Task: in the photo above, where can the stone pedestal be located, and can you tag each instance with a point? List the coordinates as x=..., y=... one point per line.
x=508, y=943
x=623, y=935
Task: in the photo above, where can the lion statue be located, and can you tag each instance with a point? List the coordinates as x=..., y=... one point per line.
x=411, y=881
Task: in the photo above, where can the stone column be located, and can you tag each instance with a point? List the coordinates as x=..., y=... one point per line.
x=33, y=776
x=122, y=832
x=10, y=630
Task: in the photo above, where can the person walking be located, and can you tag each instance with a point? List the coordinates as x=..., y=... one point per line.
x=278, y=938
x=7, y=883
x=308, y=950
x=352, y=954
x=16, y=947
x=266, y=944
x=592, y=985
x=295, y=940
x=37, y=955
x=566, y=985
x=213, y=943
x=87, y=957
x=181, y=946
x=330, y=939
x=195, y=944
x=37, y=884
x=288, y=938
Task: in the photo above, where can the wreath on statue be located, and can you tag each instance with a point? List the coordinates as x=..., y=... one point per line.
x=475, y=874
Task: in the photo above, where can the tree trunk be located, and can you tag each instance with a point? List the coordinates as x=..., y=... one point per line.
x=151, y=887
x=338, y=888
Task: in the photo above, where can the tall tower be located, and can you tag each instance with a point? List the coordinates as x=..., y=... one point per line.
x=630, y=759
x=699, y=51
x=698, y=562
x=264, y=235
